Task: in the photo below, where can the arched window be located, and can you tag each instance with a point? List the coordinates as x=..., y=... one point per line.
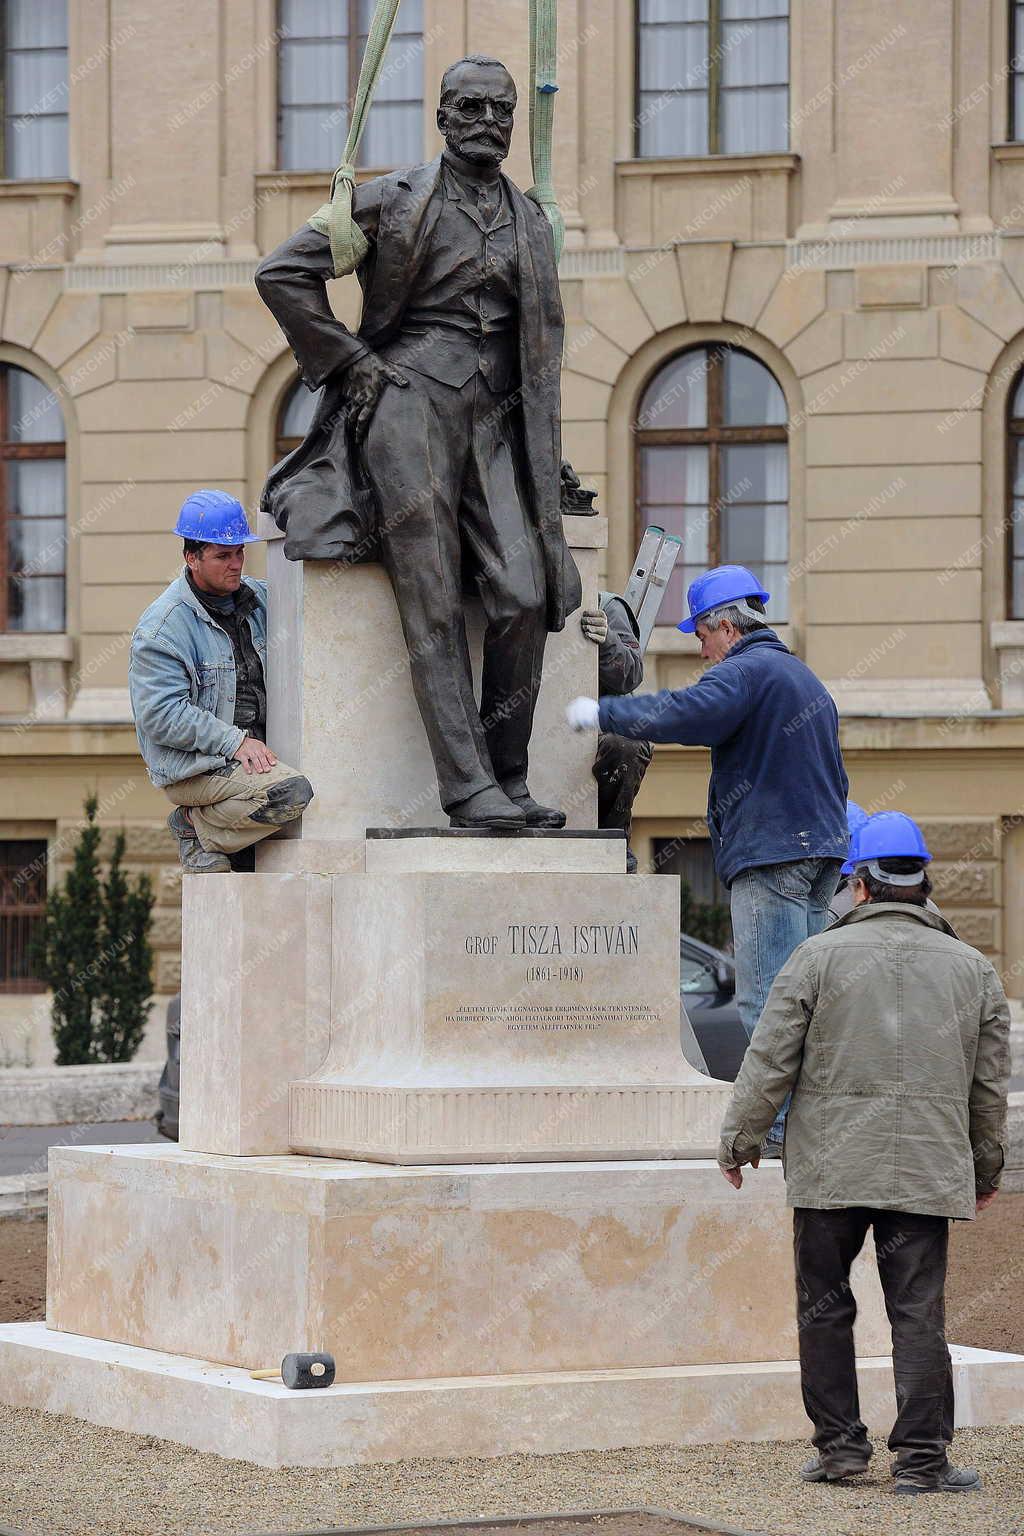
x=712, y=77
x=713, y=467
x=1015, y=506
x=33, y=539
x=318, y=57
x=35, y=78
x=294, y=418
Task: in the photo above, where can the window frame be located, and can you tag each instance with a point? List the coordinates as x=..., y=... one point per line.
x=714, y=91
x=356, y=44
x=716, y=435
x=14, y=451
x=9, y=986
x=1014, y=434
x=1013, y=135
x=5, y=170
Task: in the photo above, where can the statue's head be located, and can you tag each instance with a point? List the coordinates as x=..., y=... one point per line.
x=478, y=100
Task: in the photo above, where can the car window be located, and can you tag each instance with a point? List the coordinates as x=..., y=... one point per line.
x=694, y=974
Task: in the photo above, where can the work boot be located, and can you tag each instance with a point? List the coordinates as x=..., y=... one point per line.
x=950, y=1480
x=536, y=815
x=489, y=807
x=191, y=855
x=838, y=1469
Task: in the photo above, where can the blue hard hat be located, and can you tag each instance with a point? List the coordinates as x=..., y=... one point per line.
x=856, y=816
x=214, y=517
x=887, y=835
x=724, y=584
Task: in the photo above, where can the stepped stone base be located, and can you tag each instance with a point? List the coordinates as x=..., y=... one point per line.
x=215, y=1408
x=425, y=1273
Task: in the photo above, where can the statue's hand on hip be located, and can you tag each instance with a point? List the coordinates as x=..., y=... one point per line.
x=365, y=381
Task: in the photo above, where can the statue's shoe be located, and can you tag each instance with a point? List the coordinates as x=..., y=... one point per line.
x=537, y=815
x=487, y=808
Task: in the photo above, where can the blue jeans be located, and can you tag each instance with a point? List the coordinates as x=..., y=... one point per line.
x=774, y=908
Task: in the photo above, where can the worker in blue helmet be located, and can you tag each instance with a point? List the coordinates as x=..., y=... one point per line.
x=197, y=677
x=777, y=796
x=893, y=1038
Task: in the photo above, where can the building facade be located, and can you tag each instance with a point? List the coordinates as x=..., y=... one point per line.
x=793, y=280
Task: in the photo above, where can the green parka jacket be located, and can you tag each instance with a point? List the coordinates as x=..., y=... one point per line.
x=894, y=1037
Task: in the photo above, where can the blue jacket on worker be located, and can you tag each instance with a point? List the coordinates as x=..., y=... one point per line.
x=778, y=786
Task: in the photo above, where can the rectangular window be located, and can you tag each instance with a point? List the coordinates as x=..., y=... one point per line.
x=1016, y=75
x=35, y=115
x=712, y=77
x=22, y=908
x=319, y=54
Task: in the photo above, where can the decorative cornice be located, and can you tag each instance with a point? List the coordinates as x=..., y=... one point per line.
x=831, y=255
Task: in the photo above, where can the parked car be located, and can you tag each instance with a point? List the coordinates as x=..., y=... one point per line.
x=707, y=991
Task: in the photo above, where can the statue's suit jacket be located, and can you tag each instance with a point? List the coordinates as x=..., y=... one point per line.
x=319, y=494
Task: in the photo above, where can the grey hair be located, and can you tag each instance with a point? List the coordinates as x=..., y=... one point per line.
x=746, y=615
x=447, y=91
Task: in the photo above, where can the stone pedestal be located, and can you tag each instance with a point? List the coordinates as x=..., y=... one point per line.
x=504, y=1017
x=341, y=704
x=472, y=1311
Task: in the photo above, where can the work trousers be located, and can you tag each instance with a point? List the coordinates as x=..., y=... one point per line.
x=774, y=907
x=443, y=465
x=911, y=1252
x=233, y=809
x=619, y=769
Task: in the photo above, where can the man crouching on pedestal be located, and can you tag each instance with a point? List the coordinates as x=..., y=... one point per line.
x=436, y=445
x=197, y=678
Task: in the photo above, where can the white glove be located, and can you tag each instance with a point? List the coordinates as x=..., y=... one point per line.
x=584, y=715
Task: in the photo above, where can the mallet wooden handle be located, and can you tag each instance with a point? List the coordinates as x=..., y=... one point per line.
x=274, y=1372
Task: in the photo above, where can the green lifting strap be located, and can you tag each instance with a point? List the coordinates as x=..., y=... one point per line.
x=543, y=50
x=334, y=218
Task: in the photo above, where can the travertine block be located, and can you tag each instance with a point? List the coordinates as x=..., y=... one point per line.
x=704, y=269
x=341, y=704
x=72, y=324
x=865, y=333
x=910, y=437
x=819, y=346
x=753, y=274
x=466, y=852
x=611, y=305
x=413, y=1274
x=255, y=995
x=898, y=286
x=654, y=278
x=877, y=597
x=797, y=300
x=220, y=1409
x=885, y=490
x=159, y=311
x=505, y=1018
x=588, y=350
x=887, y=383
x=965, y=340
x=31, y=296
x=987, y=293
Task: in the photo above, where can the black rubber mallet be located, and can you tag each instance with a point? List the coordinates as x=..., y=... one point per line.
x=301, y=1372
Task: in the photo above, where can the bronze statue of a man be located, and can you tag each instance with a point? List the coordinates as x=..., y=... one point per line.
x=436, y=443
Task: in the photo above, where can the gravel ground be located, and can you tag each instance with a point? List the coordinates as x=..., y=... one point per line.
x=62, y=1477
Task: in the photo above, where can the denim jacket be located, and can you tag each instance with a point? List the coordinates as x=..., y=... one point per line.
x=181, y=677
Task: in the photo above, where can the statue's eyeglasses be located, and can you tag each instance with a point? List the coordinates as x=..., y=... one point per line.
x=473, y=106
